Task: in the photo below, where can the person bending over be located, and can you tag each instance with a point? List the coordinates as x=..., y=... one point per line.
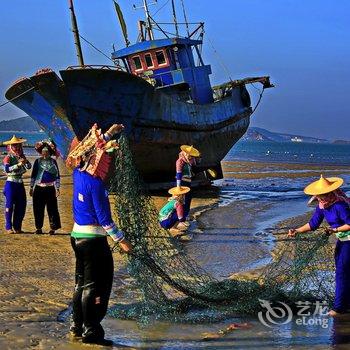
x=333, y=205
x=171, y=216
x=184, y=173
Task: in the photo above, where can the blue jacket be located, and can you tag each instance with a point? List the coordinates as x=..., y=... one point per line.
x=338, y=214
x=90, y=200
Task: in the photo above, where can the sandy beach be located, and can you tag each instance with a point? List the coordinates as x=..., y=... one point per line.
x=37, y=276
x=37, y=271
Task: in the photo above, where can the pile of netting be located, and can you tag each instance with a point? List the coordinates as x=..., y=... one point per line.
x=172, y=284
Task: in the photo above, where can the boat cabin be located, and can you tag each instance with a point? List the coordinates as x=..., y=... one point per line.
x=169, y=64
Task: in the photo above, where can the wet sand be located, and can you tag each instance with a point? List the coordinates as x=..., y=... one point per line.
x=37, y=271
x=37, y=275
x=36, y=279
x=257, y=170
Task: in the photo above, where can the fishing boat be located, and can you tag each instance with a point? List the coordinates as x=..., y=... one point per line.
x=159, y=88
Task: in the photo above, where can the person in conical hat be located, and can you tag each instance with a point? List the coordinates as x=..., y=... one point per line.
x=172, y=214
x=187, y=159
x=333, y=205
x=45, y=186
x=15, y=165
x=91, y=160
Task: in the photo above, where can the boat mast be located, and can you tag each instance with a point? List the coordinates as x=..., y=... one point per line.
x=140, y=25
x=185, y=17
x=76, y=34
x=174, y=16
x=148, y=19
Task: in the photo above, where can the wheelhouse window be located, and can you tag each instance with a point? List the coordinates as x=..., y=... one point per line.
x=149, y=61
x=137, y=62
x=160, y=56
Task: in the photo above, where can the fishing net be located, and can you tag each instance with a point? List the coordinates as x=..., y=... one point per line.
x=173, y=286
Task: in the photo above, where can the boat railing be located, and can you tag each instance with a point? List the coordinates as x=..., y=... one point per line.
x=225, y=90
x=222, y=91
x=96, y=66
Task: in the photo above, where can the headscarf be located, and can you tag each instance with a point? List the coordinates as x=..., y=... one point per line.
x=93, y=154
x=12, y=150
x=330, y=198
x=49, y=145
x=183, y=155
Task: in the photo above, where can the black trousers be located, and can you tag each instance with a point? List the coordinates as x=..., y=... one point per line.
x=93, y=284
x=188, y=200
x=46, y=197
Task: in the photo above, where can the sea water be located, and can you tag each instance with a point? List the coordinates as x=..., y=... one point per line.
x=291, y=152
x=285, y=198
x=221, y=249
x=260, y=151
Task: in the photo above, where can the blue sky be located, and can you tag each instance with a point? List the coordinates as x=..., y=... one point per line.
x=302, y=44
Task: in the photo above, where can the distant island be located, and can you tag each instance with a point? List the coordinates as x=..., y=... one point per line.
x=341, y=142
x=259, y=134
x=27, y=124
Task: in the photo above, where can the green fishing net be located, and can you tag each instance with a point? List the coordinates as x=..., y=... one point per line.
x=173, y=286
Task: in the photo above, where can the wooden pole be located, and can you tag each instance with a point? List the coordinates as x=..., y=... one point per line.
x=76, y=34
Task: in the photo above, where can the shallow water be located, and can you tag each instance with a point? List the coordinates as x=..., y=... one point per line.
x=290, y=152
x=168, y=336
x=224, y=246
x=236, y=236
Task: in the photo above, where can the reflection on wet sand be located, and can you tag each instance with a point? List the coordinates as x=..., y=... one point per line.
x=36, y=279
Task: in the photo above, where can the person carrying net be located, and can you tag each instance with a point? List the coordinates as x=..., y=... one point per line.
x=91, y=160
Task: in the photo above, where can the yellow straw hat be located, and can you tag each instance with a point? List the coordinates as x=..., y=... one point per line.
x=323, y=185
x=176, y=191
x=190, y=150
x=212, y=173
x=14, y=140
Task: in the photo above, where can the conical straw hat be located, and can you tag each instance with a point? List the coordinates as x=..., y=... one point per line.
x=190, y=150
x=212, y=173
x=14, y=140
x=323, y=185
x=176, y=191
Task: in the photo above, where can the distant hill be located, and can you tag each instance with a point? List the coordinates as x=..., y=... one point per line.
x=341, y=142
x=253, y=133
x=19, y=124
x=259, y=134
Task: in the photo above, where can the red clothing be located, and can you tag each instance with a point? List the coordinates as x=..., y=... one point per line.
x=179, y=210
x=183, y=167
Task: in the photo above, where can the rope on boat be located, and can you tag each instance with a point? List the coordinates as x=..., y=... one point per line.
x=259, y=100
x=220, y=60
x=96, y=48
x=18, y=96
x=161, y=8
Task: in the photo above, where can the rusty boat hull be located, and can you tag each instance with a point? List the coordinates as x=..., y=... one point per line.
x=156, y=122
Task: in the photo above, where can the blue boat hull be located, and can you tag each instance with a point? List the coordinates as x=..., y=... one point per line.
x=156, y=123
